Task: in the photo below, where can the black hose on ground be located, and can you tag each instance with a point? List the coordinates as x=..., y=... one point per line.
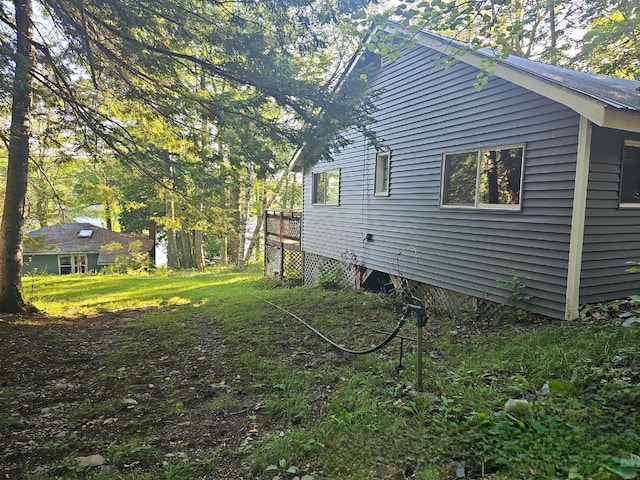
x=391, y=336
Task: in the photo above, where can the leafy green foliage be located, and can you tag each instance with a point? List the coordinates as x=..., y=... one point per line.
x=516, y=295
x=610, y=46
x=133, y=259
x=282, y=470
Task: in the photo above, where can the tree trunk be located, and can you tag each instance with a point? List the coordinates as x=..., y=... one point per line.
x=205, y=141
x=224, y=246
x=255, y=236
x=198, y=249
x=173, y=261
x=187, y=255
x=12, y=226
x=107, y=214
x=244, y=216
x=173, y=256
x=234, y=244
x=492, y=177
x=552, y=26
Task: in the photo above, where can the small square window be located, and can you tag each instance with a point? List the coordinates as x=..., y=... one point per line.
x=326, y=188
x=85, y=234
x=488, y=178
x=383, y=163
x=630, y=177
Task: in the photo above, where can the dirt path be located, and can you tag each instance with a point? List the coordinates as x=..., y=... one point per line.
x=96, y=386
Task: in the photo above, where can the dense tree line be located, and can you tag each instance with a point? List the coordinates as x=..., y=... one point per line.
x=196, y=99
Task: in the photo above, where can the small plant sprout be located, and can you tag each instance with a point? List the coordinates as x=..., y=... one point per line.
x=515, y=287
x=283, y=470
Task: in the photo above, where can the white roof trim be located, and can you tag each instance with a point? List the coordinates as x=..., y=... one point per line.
x=295, y=164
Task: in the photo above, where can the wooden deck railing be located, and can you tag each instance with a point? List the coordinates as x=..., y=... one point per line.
x=283, y=256
x=283, y=225
x=283, y=228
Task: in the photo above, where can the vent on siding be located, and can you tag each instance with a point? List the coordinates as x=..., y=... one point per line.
x=385, y=61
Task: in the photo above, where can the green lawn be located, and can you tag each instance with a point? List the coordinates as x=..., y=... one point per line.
x=301, y=407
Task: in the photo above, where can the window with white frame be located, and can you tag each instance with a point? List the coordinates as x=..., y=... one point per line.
x=630, y=177
x=326, y=187
x=483, y=178
x=72, y=264
x=383, y=162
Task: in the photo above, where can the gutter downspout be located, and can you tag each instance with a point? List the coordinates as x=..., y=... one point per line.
x=576, y=242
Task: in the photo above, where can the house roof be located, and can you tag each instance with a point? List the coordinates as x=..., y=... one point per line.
x=616, y=92
x=72, y=238
x=606, y=101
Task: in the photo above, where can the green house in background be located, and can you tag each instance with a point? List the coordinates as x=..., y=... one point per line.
x=76, y=248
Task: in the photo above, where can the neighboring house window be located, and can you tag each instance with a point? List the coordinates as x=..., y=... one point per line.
x=72, y=264
x=383, y=160
x=487, y=178
x=326, y=187
x=630, y=179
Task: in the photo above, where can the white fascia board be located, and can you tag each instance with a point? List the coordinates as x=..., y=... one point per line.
x=621, y=120
x=295, y=164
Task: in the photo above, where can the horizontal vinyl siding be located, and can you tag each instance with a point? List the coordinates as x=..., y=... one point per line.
x=48, y=263
x=40, y=263
x=612, y=235
x=424, y=112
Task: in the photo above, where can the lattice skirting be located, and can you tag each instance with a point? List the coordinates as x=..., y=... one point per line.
x=441, y=302
x=329, y=272
x=282, y=263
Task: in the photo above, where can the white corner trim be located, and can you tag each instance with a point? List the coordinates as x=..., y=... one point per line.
x=576, y=242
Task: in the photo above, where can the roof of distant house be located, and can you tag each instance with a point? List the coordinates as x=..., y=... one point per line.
x=72, y=238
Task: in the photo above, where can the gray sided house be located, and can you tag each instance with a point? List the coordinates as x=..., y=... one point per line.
x=76, y=248
x=536, y=176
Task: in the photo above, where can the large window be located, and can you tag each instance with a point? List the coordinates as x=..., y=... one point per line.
x=72, y=264
x=630, y=180
x=488, y=178
x=383, y=160
x=326, y=187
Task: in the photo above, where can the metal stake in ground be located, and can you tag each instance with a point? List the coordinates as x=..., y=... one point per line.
x=422, y=315
x=399, y=367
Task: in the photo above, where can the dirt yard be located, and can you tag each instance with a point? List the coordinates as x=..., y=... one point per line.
x=68, y=389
